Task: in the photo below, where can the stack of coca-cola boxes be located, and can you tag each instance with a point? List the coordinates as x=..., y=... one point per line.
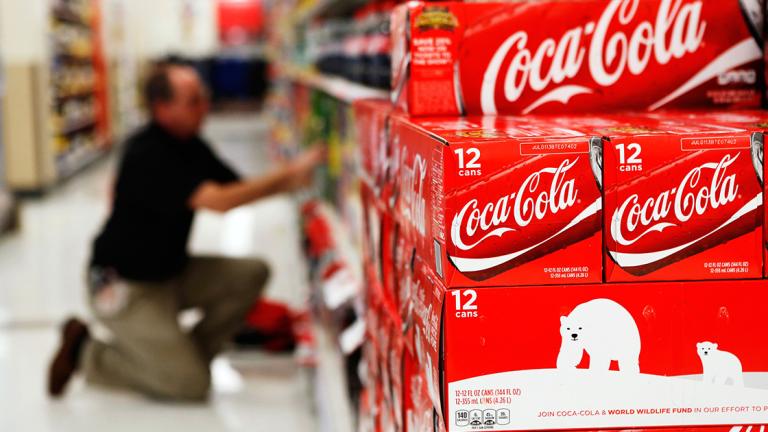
x=551, y=242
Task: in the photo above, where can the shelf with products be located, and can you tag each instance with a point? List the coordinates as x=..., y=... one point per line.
x=56, y=111
x=306, y=113
x=73, y=81
x=72, y=59
x=74, y=12
x=81, y=151
x=340, y=88
x=75, y=76
x=327, y=8
x=346, y=39
x=72, y=39
x=336, y=284
x=313, y=91
x=77, y=126
x=63, y=97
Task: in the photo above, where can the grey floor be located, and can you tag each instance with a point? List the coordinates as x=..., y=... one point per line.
x=41, y=282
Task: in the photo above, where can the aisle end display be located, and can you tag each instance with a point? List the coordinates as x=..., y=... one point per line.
x=558, y=210
x=718, y=197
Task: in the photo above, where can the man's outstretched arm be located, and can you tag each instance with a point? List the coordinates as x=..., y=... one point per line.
x=224, y=197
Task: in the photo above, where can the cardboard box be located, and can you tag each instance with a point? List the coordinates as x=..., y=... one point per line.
x=552, y=56
x=664, y=354
x=370, y=396
x=428, y=296
x=683, y=199
x=372, y=128
x=755, y=121
x=499, y=201
x=417, y=407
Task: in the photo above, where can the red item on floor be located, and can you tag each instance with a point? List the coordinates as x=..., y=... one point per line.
x=269, y=316
x=274, y=324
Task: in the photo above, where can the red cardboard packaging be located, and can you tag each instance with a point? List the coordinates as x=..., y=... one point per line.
x=389, y=237
x=599, y=356
x=755, y=121
x=370, y=397
x=417, y=408
x=390, y=366
x=365, y=415
x=396, y=358
x=499, y=201
x=551, y=56
x=427, y=340
x=683, y=199
x=373, y=228
x=371, y=122
x=380, y=244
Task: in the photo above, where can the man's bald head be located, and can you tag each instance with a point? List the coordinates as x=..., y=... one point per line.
x=177, y=99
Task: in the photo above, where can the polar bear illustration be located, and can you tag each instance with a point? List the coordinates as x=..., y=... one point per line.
x=719, y=366
x=606, y=331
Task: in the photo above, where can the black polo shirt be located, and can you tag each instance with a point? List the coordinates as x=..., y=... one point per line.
x=145, y=237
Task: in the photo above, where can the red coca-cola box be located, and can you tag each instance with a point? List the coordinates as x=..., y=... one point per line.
x=405, y=259
x=365, y=415
x=369, y=397
x=683, y=199
x=499, y=201
x=395, y=362
x=427, y=294
x=627, y=356
x=381, y=234
x=755, y=121
x=376, y=350
x=551, y=56
x=388, y=411
x=418, y=411
x=372, y=132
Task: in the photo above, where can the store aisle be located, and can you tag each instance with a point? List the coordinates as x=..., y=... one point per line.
x=40, y=282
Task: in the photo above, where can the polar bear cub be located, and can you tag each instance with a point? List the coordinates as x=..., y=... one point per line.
x=606, y=331
x=719, y=366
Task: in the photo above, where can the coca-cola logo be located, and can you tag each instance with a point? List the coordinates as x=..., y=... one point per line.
x=413, y=177
x=544, y=192
x=705, y=187
x=620, y=44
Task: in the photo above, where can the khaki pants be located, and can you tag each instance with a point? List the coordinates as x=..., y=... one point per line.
x=149, y=352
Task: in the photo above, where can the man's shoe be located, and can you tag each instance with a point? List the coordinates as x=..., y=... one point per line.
x=74, y=334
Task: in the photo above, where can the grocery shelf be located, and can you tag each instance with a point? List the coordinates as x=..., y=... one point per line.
x=76, y=95
x=66, y=15
x=328, y=8
x=337, y=87
x=73, y=57
x=73, y=127
x=335, y=340
x=346, y=249
x=76, y=160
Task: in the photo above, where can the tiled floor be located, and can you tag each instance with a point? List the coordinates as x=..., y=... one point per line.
x=40, y=283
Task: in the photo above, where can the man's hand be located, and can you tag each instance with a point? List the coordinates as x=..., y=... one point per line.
x=303, y=166
x=294, y=175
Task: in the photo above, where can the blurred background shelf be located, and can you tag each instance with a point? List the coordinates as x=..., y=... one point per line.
x=78, y=126
x=340, y=88
x=328, y=9
x=77, y=160
x=57, y=108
